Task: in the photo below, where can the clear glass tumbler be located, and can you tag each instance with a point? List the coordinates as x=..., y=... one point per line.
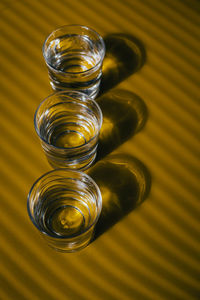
x=74, y=56
x=65, y=205
x=68, y=125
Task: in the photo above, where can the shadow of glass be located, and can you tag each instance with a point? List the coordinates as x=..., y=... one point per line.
x=124, y=114
x=125, y=55
x=124, y=183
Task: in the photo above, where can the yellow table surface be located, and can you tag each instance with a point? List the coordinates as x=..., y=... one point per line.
x=153, y=251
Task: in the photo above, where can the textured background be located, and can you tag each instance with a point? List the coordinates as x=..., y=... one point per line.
x=153, y=54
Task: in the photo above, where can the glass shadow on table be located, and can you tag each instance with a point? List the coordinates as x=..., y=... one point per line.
x=124, y=182
x=124, y=114
x=125, y=55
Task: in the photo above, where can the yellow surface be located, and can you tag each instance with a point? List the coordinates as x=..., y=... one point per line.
x=153, y=252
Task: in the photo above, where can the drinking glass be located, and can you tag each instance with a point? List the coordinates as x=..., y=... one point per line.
x=65, y=205
x=68, y=125
x=74, y=56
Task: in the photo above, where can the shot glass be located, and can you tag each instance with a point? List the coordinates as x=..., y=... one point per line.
x=65, y=205
x=68, y=125
x=74, y=56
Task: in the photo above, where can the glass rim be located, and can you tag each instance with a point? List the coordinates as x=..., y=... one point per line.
x=98, y=199
x=65, y=92
x=68, y=26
